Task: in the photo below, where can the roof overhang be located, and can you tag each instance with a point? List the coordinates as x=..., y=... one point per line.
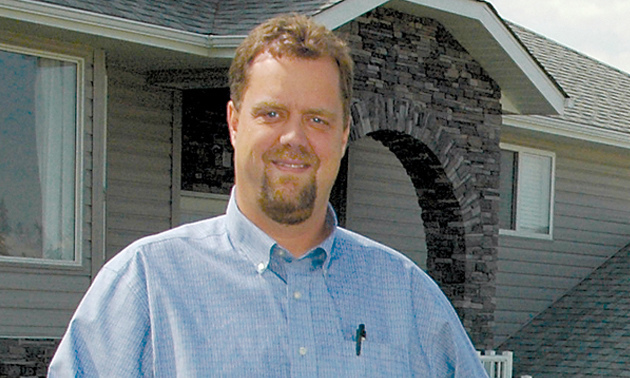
x=526, y=87
x=560, y=127
x=140, y=45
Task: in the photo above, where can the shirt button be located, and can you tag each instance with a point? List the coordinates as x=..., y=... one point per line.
x=302, y=351
x=281, y=253
x=297, y=295
x=261, y=267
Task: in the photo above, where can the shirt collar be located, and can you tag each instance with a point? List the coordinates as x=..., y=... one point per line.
x=256, y=245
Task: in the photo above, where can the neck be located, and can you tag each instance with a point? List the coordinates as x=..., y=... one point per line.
x=299, y=239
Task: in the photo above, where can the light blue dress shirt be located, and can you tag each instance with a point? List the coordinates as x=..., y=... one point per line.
x=221, y=298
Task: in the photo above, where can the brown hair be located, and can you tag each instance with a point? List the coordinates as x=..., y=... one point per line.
x=293, y=36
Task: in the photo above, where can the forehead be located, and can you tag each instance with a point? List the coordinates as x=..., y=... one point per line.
x=297, y=78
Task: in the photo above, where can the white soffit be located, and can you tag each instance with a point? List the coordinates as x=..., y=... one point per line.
x=526, y=87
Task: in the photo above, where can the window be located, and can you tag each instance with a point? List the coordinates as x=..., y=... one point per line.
x=207, y=172
x=527, y=188
x=206, y=148
x=38, y=155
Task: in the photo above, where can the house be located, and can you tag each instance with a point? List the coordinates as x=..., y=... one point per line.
x=113, y=128
x=585, y=329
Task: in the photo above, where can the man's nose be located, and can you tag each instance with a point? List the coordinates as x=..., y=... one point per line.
x=293, y=133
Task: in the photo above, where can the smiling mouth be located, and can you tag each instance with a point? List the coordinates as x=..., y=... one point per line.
x=288, y=165
x=291, y=160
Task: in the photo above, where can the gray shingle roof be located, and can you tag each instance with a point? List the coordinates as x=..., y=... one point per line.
x=187, y=15
x=258, y=11
x=217, y=17
x=585, y=333
x=601, y=93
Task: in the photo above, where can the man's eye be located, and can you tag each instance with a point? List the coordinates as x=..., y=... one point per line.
x=266, y=115
x=319, y=121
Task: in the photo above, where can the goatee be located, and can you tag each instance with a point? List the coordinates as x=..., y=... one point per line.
x=285, y=198
x=284, y=210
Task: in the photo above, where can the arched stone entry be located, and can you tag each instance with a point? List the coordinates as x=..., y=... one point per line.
x=441, y=212
x=458, y=196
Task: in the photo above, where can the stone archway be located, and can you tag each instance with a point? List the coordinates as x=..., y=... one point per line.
x=441, y=213
x=457, y=194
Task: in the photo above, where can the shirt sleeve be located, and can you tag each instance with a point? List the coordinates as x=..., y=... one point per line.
x=440, y=335
x=109, y=334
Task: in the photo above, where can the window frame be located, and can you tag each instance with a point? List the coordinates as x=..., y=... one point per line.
x=517, y=231
x=39, y=50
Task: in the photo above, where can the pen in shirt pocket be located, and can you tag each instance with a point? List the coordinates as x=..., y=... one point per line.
x=361, y=335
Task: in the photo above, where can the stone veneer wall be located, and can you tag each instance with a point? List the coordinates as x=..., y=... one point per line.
x=422, y=95
x=26, y=357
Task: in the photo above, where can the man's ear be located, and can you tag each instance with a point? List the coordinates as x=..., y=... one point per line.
x=232, y=120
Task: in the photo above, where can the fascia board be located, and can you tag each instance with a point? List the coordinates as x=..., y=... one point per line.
x=110, y=27
x=568, y=129
x=224, y=46
x=346, y=11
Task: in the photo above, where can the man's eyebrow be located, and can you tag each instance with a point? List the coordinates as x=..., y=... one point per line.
x=273, y=105
x=320, y=112
x=266, y=105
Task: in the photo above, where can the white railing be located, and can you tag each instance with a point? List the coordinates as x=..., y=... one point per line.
x=497, y=365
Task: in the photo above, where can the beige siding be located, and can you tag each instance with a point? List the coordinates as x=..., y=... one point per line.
x=591, y=223
x=139, y=154
x=38, y=299
x=196, y=206
x=382, y=202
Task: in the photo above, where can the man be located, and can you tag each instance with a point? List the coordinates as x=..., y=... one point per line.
x=274, y=287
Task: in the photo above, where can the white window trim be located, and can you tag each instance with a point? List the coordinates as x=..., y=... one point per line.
x=520, y=233
x=79, y=166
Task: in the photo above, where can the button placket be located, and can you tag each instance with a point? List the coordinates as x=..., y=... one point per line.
x=301, y=337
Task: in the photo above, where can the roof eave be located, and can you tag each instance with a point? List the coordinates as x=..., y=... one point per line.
x=569, y=129
x=104, y=26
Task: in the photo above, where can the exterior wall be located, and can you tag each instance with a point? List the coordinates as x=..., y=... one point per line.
x=382, y=202
x=138, y=203
x=422, y=95
x=139, y=154
x=591, y=223
x=37, y=299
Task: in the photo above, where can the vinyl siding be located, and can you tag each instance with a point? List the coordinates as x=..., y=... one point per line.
x=591, y=223
x=138, y=160
x=37, y=299
x=382, y=202
x=197, y=206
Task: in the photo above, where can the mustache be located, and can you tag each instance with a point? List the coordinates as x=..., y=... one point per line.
x=299, y=153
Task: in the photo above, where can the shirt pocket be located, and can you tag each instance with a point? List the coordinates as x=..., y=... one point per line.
x=375, y=360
